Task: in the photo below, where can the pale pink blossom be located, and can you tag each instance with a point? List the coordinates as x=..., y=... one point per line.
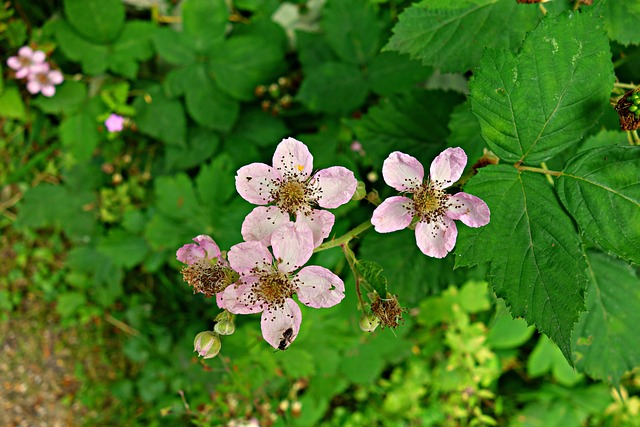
x=114, y=123
x=293, y=192
x=433, y=209
x=26, y=61
x=269, y=281
x=207, y=271
x=42, y=79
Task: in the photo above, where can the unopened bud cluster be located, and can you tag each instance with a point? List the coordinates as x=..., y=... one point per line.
x=277, y=96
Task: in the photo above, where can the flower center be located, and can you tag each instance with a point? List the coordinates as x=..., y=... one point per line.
x=25, y=61
x=430, y=203
x=293, y=196
x=205, y=277
x=273, y=288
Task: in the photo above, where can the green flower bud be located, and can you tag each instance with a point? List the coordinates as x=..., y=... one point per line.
x=633, y=108
x=361, y=191
x=225, y=327
x=207, y=344
x=369, y=323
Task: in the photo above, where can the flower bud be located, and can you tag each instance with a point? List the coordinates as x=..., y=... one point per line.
x=361, y=191
x=207, y=344
x=225, y=327
x=369, y=323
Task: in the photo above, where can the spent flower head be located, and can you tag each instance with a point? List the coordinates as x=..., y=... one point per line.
x=292, y=191
x=42, y=79
x=207, y=271
x=268, y=282
x=26, y=60
x=432, y=207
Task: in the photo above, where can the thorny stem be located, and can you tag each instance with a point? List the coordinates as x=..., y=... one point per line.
x=351, y=259
x=345, y=238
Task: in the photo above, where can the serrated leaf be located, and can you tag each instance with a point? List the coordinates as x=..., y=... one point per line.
x=450, y=35
x=334, y=88
x=201, y=144
x=352, y=30
x=205, y=21
x=11, y=104
x=162, y=118
x=605, y=340
x=600, y=188
x=93, y=57
x=79, y=132
x=133, y=45
x=536, y=259
x=372, y=273
x=621, y=19
x=390, y=72
x=124, y=249
x=207, y=104
x=313, y=50
x=68, y=97
x=536, y=104
x=216, y=181
x=98, y=20
x=465, y=132
x=173, y=46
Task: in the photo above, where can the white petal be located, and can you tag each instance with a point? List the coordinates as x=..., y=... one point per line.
x=280, y=326
x=238, y=299
x=319, y=287
x=447, y=167
x=402, y=171
x=292, y=246
x=260, y=224
x=320, y=223
x=436, y=239
x=394, y=214
x=247, y=255
x=469, y=209
x=335, y=186
x=256, y=183
x=55, y=77
x=292, y=158
x=48, y=90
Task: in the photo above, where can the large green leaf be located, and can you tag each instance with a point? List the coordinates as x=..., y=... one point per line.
x=621, y=20
x=536, y=258
x=161, y=118
x=352, y=30
x=601, y=189
x=450, y=35
x=97, y=20
x=92, y=56
x=205, y=21
x=133, y=45
x=605, y=340
x=534, y=105
x=174, y=47
x=390, y=72
x=11, y=104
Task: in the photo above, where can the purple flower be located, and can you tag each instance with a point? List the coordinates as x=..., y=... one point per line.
x=26, y=60
x=434, y=209
x=114, y=123
x=42, y=79
x=293, y=191
x=268, y=282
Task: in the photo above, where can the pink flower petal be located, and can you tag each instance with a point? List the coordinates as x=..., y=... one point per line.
x=22, y=73
x=319, y=287
x=33, y=87
x=402, y=171
x=247, y=255
x=38, y=57
x=293, y=158
x=320, y=223
x=256, y=182
x=260, y=224
x=447, y=167
x=48, y=90
x=239, y=299
x=277, y=321
x=469, y=209
x=55, y=77
x=190, y=253
x=292, y=246
x=25, y=51
x=393, y=214
x=335, y=186
x=14, y=63
x=209, y=245
x=436, y=239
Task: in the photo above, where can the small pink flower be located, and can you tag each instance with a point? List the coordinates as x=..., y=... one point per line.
x=268, y=282
x=42, y=79
x=293, y=191
x=434, y=209
x=26, y=60
x=114, y=123
x=207, y=271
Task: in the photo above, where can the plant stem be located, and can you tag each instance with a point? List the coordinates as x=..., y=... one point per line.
x=351, y=259
x=344, y=239
x=538, y=170
x=625, y=85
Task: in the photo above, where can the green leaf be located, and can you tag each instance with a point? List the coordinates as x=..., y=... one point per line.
x=536, y=104
x=472, y=297
x=465, y=132
x=79, y=132
x=391, y=73
x=605, y=138
x=123, y=248
x=215, y=183
x=97, y=20
x=507, y=332
x=201, y=144
x=92, y=57
x=352, y=30
x=207, y=104
x=68, y=303
x=205, y=21
x=69, y=97
x=372, y=273
x=536, y=258
x=162, y=118
x=259, y=128
x=605, y=340
x=243, y=62
x=547, y=357
x=313, y=50
x=133, y=45
x=450, y=35
x=600, y=188
x=621, y=20
x=173, y=46
x=334, y=88
x=11, y=104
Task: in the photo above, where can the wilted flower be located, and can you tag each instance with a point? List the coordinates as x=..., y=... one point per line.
x=114, y=123
x=292, y=189
x=387, y=310
x=207, y=270
x=434, y=209
x=42, y=79
x=26, y=61
x=268, y=283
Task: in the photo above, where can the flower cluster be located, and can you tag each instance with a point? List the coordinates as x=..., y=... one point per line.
x=264, y=273
x=31, y=65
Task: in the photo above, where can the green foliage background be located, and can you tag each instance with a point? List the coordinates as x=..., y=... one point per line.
x=208, y=86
